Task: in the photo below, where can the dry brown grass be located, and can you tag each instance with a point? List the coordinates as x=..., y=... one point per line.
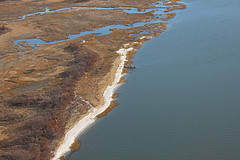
x=122, y=80
x=46, y=63
x=115, y=95
x=125, y=70
x=111, y=106
x=3, y=29
x=62, y=158
x=75, y=146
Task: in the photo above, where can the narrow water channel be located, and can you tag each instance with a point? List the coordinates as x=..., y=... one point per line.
x=183, y=102
x=159, y=10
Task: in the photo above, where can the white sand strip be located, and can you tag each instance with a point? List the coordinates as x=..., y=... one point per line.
x=72, y=134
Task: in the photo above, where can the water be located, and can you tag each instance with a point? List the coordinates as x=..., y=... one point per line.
x=183, y=104
x=104, y=30
x=158, y=4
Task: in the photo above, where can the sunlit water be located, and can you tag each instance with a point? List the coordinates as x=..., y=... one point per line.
x=184, y=101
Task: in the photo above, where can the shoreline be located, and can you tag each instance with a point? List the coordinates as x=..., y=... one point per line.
x=91, y=117
x=46, y=88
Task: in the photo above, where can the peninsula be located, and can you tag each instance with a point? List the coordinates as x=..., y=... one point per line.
x=60, y=62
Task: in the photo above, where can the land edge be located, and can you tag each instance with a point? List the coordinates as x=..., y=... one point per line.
x=92, y=115
x=100, y=94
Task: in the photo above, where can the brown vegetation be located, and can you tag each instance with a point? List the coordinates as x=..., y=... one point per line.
x=174, y=2
x=36, y=132
x=125, y=70
x=62, y=158
x=77, y=1
x=122, y=80
x=115, y=95
x=3, y=29
x=34, y=119
x=111, y=106
x=75, y=146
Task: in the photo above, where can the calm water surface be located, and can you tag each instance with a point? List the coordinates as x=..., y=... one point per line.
x=184, y=101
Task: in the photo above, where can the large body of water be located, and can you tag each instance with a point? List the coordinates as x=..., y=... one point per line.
x=184, y=101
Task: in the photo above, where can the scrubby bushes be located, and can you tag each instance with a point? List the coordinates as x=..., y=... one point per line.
x=63, y=92
x=75, y=146
x=51, y=108
x=3, y=28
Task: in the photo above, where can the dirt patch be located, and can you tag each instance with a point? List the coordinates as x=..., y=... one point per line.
x=4, y=29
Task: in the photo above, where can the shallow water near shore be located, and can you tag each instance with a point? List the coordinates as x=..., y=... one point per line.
x=183, y=102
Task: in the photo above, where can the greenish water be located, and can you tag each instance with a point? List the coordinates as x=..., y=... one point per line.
x=184, y=101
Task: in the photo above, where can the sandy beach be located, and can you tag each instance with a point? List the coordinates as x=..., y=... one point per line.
x=90, y=118
x=61, y=62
